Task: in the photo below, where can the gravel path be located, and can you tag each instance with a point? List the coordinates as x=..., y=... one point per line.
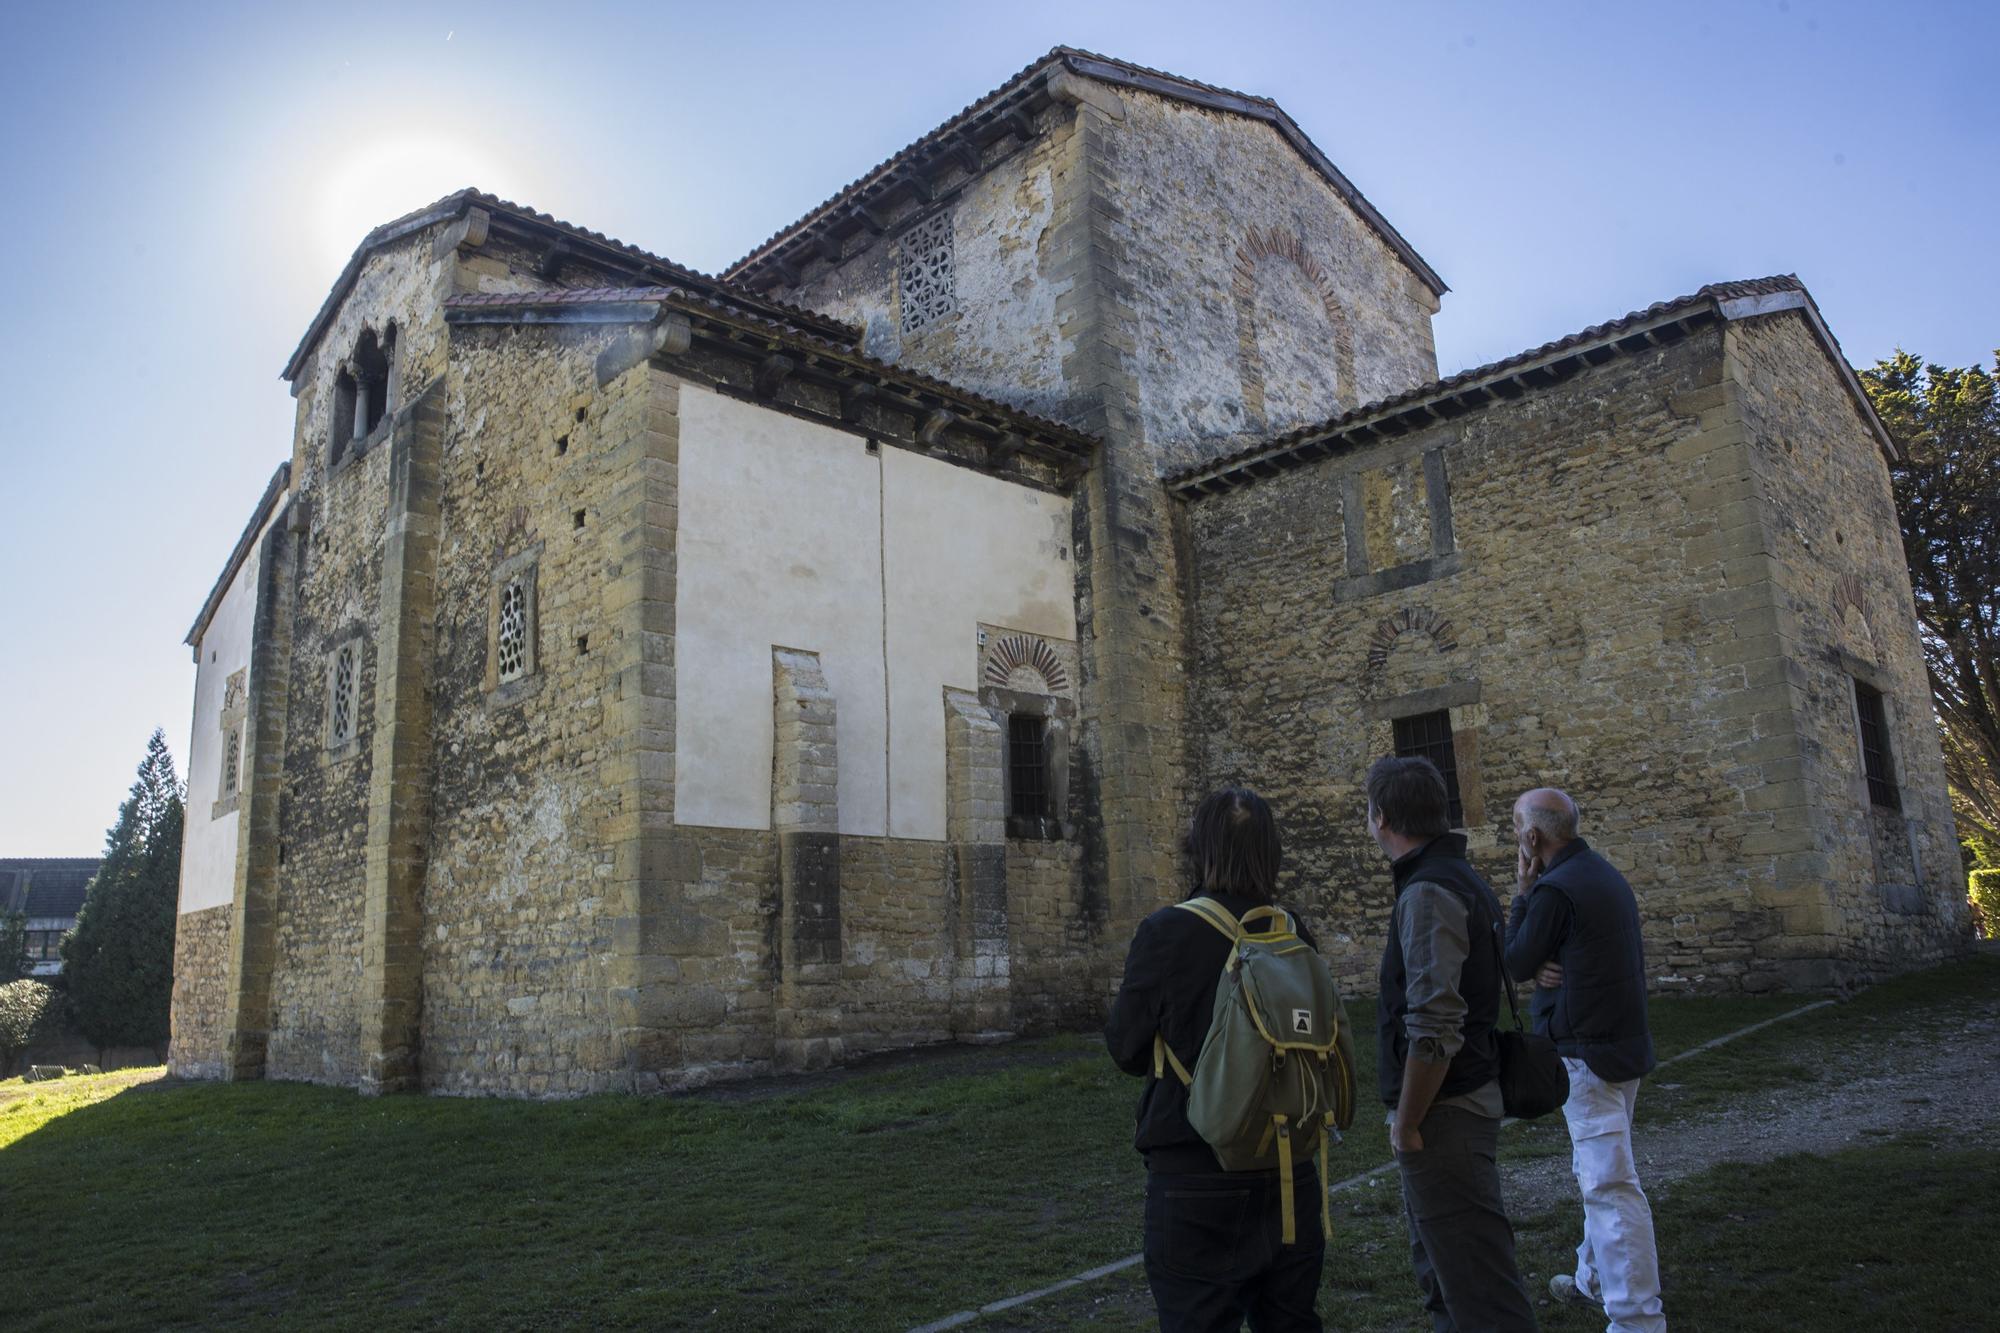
x=1942, y=1075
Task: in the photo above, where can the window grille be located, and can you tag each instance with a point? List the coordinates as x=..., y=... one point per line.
x=1027, y=768
x=1875, y=748
x=513, y=631
x=232, y=761
x=1428, y=736
x=928, y=275
x=343, y=696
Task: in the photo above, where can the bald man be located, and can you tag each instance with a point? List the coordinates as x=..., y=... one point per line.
x=1574, y=929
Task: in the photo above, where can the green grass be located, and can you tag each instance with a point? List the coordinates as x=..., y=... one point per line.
x=882, y=1200
x=1901, y=1235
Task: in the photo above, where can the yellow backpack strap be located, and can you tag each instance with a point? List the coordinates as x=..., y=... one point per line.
x=1285, y=1197
x=1289, y=927
x=1163, y=1056
x=1325, y=1199
x=1215, y=914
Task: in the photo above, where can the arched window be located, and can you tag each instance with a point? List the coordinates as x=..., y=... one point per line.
x=371, y=375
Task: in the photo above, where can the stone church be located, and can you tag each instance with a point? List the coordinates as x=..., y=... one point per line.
x=635, y=678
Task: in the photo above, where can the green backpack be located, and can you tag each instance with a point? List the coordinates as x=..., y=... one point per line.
x=1275, y=1077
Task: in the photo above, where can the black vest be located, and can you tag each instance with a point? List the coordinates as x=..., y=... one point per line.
x=1598, y=1014
x=1442, y=862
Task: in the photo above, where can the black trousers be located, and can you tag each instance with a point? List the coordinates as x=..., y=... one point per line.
x=1213, y=1256
x=1461, y=1243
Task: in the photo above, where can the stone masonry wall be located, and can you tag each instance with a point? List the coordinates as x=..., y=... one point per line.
x=1890, y=882
x=1010, y=236
x=320, y=884
x=517, y=933
x=199, y=1044
x=1585, y=620
x=1263, y=301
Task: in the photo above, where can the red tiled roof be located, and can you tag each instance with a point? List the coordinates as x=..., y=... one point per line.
x=1713, y=295
x=1107, y=69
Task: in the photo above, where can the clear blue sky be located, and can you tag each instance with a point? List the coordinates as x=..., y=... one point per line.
x=183, y=182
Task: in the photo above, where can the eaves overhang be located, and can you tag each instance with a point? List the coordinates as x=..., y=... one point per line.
x=787, y=369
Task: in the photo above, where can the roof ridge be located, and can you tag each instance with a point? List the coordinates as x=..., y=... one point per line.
x=1145, y=79
x=467, y=197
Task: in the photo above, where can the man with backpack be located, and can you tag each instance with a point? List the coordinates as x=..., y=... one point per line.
x=1231, y=1016
x=1575, y=930
x=1438, y=1061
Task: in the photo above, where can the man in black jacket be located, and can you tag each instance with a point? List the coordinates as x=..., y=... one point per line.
x=1575, y=929
x=1437, y=1058
x=1213, y=1252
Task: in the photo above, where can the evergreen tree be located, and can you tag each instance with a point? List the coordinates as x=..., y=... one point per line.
x=14, y=960
x=1947, y=421
x=119, y=961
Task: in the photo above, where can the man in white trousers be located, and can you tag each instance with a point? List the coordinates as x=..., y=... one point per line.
x=1574, y=928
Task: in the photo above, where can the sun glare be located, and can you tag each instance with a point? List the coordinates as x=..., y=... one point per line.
x=386, y=178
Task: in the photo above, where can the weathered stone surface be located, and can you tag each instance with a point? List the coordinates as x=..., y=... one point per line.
x=1596, y=633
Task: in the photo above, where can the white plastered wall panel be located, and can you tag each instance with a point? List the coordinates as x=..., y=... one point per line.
x=208, y=846
x=792, y=534
x=780, y=545
x=960, y=548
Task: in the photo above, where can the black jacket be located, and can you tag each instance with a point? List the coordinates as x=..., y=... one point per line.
x=1171, y=970
x=1581, y=914
x=1441, y=861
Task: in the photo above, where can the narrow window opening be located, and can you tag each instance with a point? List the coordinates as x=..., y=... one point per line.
x=562, y=445
x=232, y=762
x=371, y=373
x=1428, y=736
x=1875, y=757
x=513, y=645
x=583, y=645
x=1027, y=768
x=579, y=519
x=580, y=413
x=343, y=416
x=341, y=725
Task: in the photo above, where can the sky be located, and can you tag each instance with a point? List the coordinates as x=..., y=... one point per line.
x=180, y=184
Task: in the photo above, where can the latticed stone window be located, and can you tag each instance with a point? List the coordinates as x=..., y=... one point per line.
x=232, y=762
x=928, y=278
x=513, y=645
x=346, y=674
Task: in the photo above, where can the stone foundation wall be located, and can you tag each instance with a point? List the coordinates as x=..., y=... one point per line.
x=200, y=1038
x=1577, y=579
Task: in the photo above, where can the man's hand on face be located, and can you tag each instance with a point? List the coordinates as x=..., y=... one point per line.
x=1550, y=976
x=1527, y=869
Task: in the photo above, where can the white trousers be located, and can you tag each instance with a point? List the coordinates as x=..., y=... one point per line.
x=1617, y=1262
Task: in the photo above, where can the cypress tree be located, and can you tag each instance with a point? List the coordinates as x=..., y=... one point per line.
x=119, y=961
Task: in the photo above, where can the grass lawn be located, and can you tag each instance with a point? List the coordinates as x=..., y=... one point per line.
x=884, y=1200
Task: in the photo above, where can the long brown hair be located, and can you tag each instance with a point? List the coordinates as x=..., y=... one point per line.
x=1232, y=845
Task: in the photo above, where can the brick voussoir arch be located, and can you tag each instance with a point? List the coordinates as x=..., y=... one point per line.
x=1259, y=244
x=1410, y=620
